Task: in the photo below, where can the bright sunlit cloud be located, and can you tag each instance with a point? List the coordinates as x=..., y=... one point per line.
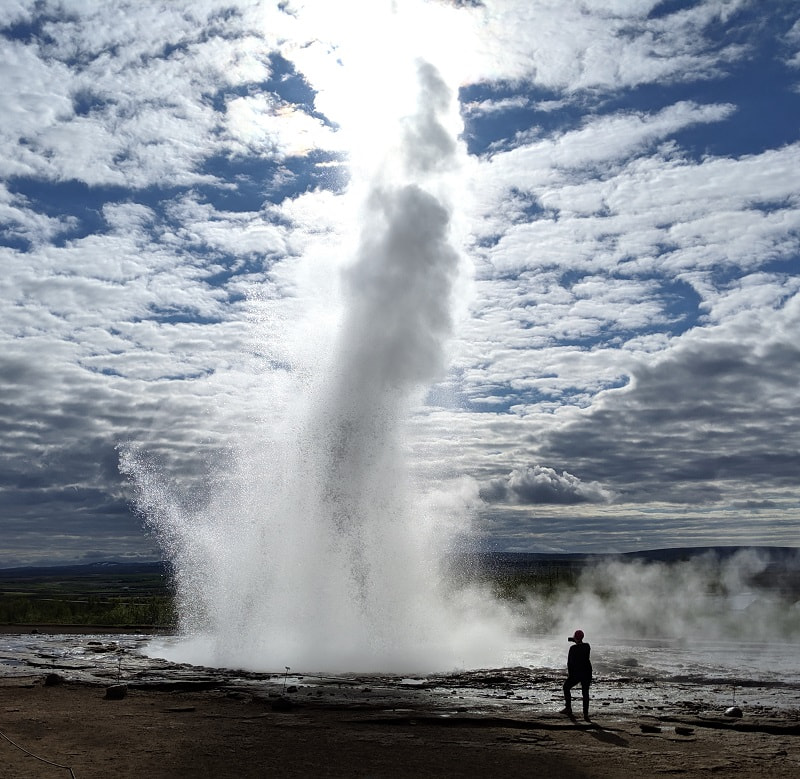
x=365, y=73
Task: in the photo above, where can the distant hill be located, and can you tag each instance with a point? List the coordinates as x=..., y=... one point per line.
x=520, y=562
x=496, y=562
x=774, y=554
x=109, y=568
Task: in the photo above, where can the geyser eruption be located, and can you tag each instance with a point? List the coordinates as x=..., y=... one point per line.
x=317, y=551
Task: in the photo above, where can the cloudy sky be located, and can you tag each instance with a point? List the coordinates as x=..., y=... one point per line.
x=182, y=201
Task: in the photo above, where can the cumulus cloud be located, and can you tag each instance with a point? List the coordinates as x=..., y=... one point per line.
x=698, y=425
x=540, y=485
x=606, y=45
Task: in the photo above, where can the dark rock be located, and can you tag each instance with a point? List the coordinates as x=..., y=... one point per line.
x=282, y=704
x=650, y=728
x=99, y=648
x=52, y=679
x=733, y=711
x=116, y=692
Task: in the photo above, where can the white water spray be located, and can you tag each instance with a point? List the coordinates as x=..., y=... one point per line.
x=317, y=551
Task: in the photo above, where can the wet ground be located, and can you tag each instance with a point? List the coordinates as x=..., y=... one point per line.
x=656, y=710
x=629, y=679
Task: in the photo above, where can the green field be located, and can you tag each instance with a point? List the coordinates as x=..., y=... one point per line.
x=125, y=599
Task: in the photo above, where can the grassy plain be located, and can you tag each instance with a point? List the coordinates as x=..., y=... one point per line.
x=104, y=598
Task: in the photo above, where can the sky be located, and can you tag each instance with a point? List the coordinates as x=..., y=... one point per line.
x=182, y=195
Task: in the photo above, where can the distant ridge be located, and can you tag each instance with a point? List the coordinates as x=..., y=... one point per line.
x=774, y=553
x=522, y=561
x=489, y=560
x=104, y=568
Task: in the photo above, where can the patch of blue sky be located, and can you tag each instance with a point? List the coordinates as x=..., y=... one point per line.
x=787, y=264
x=725, y=275
x=254, y=179
x=505, y=398
x=527, y=207
x=85, y=102
x=290, y=85
x=494, y=114
x=760, y=85
x=63, y=199
x=767, y=206
x=228, y=267
x=34, y=29
x=174, y=315
x=679, y=303
x=182, y=376
x=765, y=114
x=12, y=239
x=668, y=7
x=284, y=82
x=259, y=180
x=103, y=370
x=219, y=98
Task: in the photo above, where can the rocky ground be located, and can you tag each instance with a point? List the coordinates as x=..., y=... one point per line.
x=199, y=724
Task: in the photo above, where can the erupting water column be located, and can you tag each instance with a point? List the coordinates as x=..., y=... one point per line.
x=319, y=554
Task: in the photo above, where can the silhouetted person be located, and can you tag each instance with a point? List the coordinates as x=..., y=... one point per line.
x=579, y=671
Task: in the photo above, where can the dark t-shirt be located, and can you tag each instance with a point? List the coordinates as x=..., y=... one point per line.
x=578, y=664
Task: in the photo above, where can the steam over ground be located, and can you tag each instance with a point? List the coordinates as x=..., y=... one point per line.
x=745, y=597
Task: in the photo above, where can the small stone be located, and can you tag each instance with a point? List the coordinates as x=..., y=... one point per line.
x=116, y=692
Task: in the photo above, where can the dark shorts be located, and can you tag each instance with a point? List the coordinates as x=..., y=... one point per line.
x=584, y=682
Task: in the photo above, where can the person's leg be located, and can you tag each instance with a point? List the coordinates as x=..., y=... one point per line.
x=568, y=685
x=585, y=696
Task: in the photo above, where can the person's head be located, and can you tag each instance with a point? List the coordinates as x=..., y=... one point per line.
x=577, y=637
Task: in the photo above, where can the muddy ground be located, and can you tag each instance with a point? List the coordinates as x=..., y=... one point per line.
x=211, y=727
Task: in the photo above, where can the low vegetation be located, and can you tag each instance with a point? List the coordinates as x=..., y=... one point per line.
x=102, y=599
